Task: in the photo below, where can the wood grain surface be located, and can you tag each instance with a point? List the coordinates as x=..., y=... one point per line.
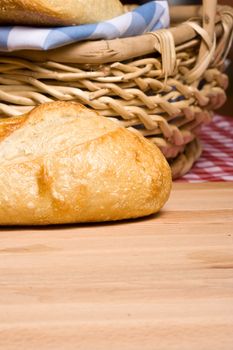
x=160, y=283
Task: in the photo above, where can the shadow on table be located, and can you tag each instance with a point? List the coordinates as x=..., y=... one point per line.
x=82, y=225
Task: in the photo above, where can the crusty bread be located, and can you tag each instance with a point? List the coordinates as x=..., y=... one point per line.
x=62, y=163
x=58, y=12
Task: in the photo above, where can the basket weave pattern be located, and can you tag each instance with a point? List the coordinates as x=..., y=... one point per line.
x=163, y=88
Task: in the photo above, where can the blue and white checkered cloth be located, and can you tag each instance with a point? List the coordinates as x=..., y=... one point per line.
x=149, y=17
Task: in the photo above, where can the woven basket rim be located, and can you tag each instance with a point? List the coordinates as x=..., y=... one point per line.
x=121, y=49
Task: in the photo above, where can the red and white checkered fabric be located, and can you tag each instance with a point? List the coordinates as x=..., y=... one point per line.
x=216, y=162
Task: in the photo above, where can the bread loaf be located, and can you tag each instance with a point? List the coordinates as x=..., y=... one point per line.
x=62, y=163
x=58, y=12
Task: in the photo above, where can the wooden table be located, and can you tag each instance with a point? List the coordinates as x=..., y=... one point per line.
x=160, y=283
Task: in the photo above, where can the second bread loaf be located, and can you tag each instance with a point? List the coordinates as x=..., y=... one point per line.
x=58, y=12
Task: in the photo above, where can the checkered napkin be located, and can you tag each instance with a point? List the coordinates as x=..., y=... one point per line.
x=149, y=17
x=216, y=162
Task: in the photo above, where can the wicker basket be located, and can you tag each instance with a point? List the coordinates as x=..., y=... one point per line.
x=163, y=84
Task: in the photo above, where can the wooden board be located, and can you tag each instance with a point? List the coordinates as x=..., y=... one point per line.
x=160, y=283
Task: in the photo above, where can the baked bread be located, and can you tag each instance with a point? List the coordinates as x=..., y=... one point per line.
x=63, y=163
x=58, y=12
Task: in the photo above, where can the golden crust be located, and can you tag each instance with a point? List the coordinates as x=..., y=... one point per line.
x=113, y=175
x=57, y=12
x=7, y=126
x=27, y=12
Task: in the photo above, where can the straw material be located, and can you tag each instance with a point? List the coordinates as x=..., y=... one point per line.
x=164, y=84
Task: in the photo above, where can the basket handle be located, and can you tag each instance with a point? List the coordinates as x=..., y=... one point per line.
x=207, y=47
x=209, y=14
